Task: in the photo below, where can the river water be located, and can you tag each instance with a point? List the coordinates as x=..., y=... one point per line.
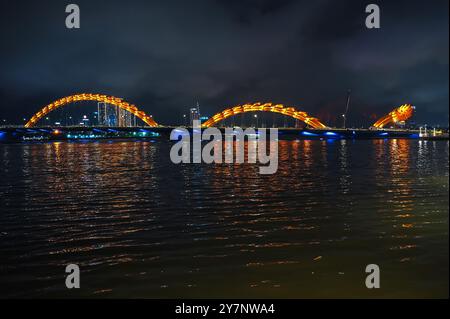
x=140, y=226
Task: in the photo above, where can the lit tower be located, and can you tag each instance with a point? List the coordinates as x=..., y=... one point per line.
x=194, y=113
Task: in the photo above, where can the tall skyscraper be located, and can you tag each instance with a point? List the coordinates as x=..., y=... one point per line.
x=194, y=113
x=111, y=115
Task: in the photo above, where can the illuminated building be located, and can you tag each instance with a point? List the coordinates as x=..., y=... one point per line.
x=194, y=114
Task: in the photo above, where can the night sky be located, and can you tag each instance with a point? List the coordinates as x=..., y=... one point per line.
x=164, y=56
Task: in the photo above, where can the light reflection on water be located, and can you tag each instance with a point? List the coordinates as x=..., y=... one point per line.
x=140, y=226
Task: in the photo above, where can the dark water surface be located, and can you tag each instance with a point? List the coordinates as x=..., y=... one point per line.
x=140, y=226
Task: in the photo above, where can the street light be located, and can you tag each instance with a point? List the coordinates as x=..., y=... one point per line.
x=256, y=117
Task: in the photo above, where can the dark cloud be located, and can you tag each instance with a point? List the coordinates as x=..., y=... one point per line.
x=165, y=55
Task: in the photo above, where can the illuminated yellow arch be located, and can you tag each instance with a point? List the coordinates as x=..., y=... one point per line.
x=91, y=97
x=266, y=107
x=402, y=113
